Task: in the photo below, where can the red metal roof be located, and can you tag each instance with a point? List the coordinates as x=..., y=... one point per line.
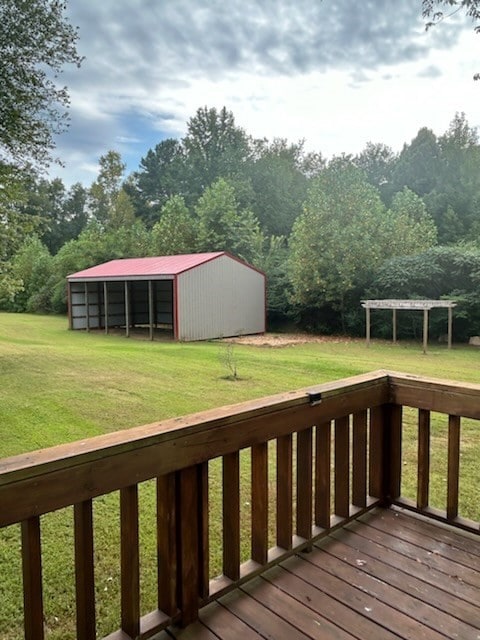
x=158, y=266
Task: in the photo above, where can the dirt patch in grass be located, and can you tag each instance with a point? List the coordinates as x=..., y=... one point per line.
x=289, y=339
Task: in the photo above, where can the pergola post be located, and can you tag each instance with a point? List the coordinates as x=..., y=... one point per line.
x=450, y=313
x=425, y=330
x=105, y=304
x=127, y=310
x=412, y=305
x=367, y=313
x=87, y=307
x=150, y=308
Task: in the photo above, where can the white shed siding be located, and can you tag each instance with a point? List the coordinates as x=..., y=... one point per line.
x=220, y=298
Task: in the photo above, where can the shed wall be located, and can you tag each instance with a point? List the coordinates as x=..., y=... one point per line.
x=220, y=298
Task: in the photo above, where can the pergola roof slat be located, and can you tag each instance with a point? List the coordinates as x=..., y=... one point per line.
x=407, y=304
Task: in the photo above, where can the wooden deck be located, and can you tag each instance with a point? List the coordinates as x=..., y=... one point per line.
x=386, y=576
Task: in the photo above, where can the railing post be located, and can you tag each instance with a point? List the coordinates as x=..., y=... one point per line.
x=385, y=453
x=192, y=558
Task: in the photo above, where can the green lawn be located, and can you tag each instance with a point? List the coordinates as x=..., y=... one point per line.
x=59, y=386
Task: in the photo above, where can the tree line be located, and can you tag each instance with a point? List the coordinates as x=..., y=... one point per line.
x=327, y=233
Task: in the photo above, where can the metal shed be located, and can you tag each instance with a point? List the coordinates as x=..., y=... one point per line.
x=198, y=296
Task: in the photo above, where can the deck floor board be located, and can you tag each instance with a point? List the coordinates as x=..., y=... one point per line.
x=386, y=576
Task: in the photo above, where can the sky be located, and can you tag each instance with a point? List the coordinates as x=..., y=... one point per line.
x=336, y=73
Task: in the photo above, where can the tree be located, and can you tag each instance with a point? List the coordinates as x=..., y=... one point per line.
x=441, y=272
x=378, y=161
x=335, y=243
x=454, y=202
x=32, y=268
x=432, y=10
x=223, y=226
x=162, y=174
x=279, y=184
x=14, y=227
x=215, y=147
x=176, y=231
x=419, y=165
x=36, y=42
x=343, y=237
x=409, y=228
x=109, y=202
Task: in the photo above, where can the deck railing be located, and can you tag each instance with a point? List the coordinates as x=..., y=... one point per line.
x=338, y=450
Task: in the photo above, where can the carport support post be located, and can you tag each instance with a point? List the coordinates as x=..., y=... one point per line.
x=87, y=307
x=150, y=307
x=105, y=304
x=425, y=330
x=394, y=322
x=69, y=304
x=127, y=311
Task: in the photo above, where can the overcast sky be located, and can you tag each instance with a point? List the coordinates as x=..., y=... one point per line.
x=338, y=73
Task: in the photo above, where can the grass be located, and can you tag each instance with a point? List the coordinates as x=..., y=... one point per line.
x=60, y=386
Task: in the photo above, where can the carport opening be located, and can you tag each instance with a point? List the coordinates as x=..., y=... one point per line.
x=136, y=308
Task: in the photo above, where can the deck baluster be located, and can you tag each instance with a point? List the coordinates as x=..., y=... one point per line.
x=84, y=571
x=130, y=564
x=359, y=471
x=323, y=450
x=231, y=515
x=304, y=483
x=32, y=579
x=453, y=466
x=423, y=458
x=342, y=467
x=260, y=502
x=188, y=543
x=166, y=543
x=284, y=492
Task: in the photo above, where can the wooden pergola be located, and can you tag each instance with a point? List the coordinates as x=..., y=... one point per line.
x=410, y=305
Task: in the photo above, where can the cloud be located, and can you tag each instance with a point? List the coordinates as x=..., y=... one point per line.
x=149, y=65
x=432, y=71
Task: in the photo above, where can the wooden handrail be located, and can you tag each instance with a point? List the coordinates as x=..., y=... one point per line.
x=364, y=413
